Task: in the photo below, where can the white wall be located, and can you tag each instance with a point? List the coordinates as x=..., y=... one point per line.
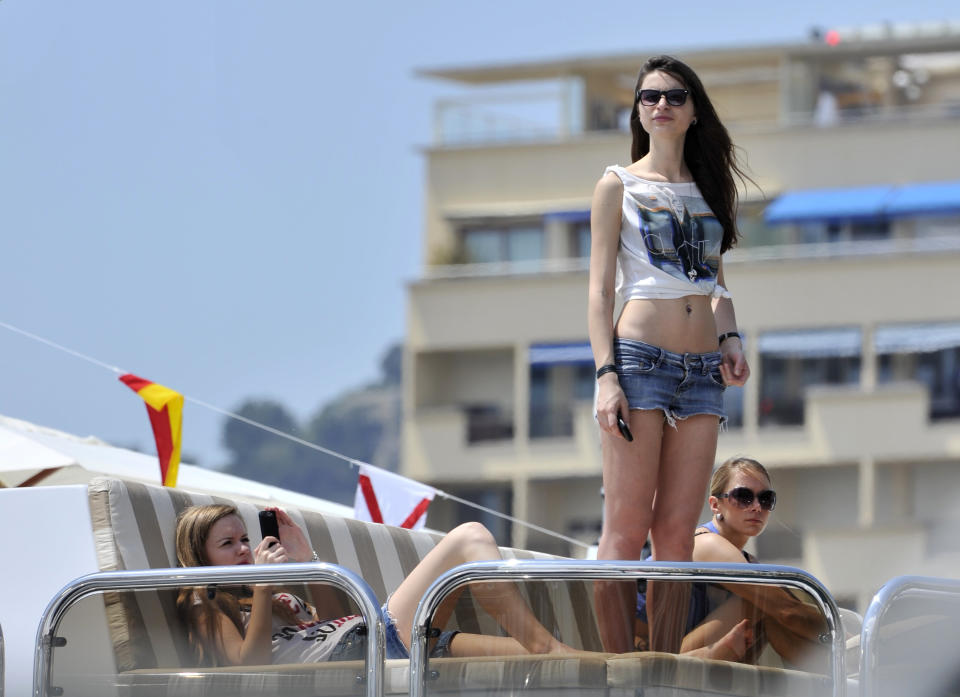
x=49, y=543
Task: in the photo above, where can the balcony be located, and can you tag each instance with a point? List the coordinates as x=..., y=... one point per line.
x=438, y=447
x=488, y=423
x=879, y=77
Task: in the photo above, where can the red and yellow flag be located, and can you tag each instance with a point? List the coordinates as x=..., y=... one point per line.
x=165, y=408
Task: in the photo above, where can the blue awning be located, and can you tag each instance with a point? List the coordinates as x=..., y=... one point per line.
x=811, y=343
x=559, y=354
x=916, y=338
x=865, y=203
x=933, y=198
x=829, y=205
x=580, y=216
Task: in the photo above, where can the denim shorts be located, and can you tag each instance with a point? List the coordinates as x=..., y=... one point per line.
x=353, y=646
x=680, y=384
x=395, y=647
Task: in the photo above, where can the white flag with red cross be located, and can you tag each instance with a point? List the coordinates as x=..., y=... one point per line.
x=385, y=497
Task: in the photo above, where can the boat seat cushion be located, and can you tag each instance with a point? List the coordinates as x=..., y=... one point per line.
x=134, y=523
x=652, y=673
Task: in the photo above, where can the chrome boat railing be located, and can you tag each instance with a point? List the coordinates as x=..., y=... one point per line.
x=940, y=599
x=577, y=570
x=275, y=574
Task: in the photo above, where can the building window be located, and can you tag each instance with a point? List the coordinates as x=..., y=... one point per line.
x=555, y=390
x=926, y=353
x=851, y=231
x=561, y=378
x=503, y=243
x=580, y=239
x=790, y=362
x=488, y=422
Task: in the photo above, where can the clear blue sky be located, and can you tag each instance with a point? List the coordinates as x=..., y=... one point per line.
x=225, y=196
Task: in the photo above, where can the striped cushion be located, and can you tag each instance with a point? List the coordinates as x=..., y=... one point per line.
x=508, y=674
x=342, y=679
x=584, y=673
x=655, y=673
x=134, y=524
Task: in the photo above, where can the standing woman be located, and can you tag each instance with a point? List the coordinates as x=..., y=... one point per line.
x=658, y=229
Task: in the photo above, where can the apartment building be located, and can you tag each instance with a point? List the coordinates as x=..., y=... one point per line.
x=847, y=288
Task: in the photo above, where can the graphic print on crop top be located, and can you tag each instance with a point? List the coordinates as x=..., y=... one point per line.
x=670, y=240
x=682, y=236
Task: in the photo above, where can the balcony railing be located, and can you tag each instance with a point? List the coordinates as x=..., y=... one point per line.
x=488, y=423
x=745, y=254
x=556, y=115
x=542, y=112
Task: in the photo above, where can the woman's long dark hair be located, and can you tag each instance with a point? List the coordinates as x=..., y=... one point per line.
x=707, y=148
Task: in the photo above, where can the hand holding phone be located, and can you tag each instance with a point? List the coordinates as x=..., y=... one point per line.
x=624, y=429
x=268, y=525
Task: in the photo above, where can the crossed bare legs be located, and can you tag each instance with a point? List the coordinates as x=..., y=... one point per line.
x=467, y=543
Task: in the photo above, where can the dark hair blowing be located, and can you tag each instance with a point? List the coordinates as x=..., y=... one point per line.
x=707, y=148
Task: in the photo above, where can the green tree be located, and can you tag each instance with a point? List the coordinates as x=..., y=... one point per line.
x=257, y=454
x=361, y=424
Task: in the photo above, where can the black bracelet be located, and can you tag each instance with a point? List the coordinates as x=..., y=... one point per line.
x=604, y=369
x=727, y=335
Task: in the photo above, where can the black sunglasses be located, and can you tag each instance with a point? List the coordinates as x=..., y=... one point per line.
x=675, y=97
x=743, y=497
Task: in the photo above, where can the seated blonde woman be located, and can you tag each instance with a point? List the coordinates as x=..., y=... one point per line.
x=742, y=500
x=734, y=621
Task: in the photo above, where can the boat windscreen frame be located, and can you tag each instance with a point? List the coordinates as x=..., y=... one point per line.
x=153, y=579
x=596, y=570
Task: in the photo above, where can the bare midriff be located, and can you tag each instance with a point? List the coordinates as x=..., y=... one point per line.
x=681, y=325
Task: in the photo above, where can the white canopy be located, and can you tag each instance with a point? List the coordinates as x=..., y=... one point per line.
x=28, y=451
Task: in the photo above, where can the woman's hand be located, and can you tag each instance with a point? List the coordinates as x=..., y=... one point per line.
x=733, y=364
x=292, y=537
x=611, y=402
x=270, y=551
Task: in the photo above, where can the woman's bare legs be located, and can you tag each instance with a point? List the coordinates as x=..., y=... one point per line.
x=718, y=624
x=465, y=645
x=796, y=650
x=687, y=454
x=732, y=646
x=629, y=484
x=466, y=543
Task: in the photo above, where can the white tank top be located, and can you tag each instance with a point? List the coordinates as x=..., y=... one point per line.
x=308, y=641
x=669, y=241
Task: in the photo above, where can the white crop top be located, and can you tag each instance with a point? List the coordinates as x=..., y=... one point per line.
x=669, y=241
x=308, y=641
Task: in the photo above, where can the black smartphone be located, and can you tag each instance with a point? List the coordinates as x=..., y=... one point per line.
x=268, y=524
x=624, y=429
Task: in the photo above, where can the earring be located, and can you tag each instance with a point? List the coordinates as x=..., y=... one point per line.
x=694, y=122
x=719, y=517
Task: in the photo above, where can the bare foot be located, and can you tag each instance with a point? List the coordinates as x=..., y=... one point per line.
x=558, y=646
x=733, y=645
